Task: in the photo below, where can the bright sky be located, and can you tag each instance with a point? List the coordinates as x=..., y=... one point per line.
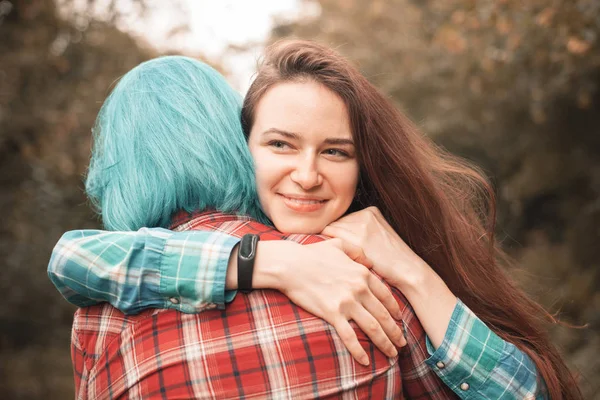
x=213, y=26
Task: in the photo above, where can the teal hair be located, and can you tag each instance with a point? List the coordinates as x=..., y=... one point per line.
x=169, y=138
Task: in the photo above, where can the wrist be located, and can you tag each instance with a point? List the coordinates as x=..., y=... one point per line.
x=416, y=281
x=432, y=301
x=231, y=282
x=423, y=285
x=271, y=266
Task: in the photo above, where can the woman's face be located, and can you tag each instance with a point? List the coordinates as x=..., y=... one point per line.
x=305, y=158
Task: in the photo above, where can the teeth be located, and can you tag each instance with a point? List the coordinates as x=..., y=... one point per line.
x=298, y=201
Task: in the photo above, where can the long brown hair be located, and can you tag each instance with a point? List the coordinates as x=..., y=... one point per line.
x=441, y=206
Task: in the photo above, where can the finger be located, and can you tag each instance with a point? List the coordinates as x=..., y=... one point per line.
x=337, y=230
x=348, y=337
x=385, y=296
x=385, y=320
x=373, y=330
x=356, y=253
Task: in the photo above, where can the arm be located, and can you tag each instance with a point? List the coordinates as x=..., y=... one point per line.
x=467, y=355
x=472, y=360
x=476, y=363
x=158, y=268
x=150, y=268
x=187, y=271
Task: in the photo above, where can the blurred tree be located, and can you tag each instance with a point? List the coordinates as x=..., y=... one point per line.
x=58, y=61
x=513, y=86
x=54, y=75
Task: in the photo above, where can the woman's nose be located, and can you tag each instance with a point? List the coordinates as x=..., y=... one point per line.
x=306, y=174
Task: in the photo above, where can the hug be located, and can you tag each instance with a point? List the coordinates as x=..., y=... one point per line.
x=307, y=241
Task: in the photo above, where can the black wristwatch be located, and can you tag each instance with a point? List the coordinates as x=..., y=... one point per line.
x=246, y=256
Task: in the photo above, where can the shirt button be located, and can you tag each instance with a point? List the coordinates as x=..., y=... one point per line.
x=464, y=386
x=440, y=365
x=174, y=300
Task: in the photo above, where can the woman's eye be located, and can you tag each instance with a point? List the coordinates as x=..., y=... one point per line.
x=278, y=144
x=336, y=153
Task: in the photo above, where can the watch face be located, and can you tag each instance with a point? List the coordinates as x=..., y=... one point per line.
x=248, y=246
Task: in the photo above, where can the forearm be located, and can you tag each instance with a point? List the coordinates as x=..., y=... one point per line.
x=431, y=299
x=477, y=363
x=468, y=356
x=150, y=268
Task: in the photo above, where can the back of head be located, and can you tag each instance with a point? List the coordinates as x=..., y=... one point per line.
x=169, y=138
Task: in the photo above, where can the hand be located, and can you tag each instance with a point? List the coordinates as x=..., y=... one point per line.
x=331, y=280
x=392, y=259
x=401, y=267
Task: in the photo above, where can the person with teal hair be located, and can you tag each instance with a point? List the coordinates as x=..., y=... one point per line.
x=151, y=138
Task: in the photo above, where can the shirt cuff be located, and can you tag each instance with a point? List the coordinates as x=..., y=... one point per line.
x=222, y=295
x=194, y=271
x=468, y=354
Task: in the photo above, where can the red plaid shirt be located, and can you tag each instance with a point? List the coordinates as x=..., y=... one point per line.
x=261, y=346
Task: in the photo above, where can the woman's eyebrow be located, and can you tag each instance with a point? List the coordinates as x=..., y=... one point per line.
x=295, y=136
x=339, y=141
x=290, y=135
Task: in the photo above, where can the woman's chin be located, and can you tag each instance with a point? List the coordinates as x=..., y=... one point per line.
x=299, y=227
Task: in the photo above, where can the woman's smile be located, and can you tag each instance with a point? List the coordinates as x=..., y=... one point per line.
x=302, y=204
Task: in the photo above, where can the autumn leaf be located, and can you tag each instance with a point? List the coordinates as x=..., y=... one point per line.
x=577, y=46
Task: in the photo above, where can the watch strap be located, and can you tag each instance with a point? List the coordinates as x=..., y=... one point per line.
x=246, y=257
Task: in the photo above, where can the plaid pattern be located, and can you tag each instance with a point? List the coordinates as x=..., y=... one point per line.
x=491, y=367
x=134, y=271
x=140, y=270
x=262, y=346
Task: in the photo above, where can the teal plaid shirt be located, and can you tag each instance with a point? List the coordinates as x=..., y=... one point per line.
x=186, y=271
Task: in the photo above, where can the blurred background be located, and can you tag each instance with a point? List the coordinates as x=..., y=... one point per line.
x=511, y=85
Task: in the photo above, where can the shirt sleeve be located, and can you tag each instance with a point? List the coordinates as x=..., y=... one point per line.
x=477, y=364
x=150, y=268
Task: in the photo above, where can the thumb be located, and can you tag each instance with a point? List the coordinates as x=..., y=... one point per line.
x=354, y=252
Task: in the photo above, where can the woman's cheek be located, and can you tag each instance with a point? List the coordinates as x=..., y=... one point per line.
x=347, y=181
x=267, y=172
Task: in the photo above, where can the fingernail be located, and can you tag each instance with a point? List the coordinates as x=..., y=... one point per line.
x=399, y=315
x=394, y=352
x=364, y=360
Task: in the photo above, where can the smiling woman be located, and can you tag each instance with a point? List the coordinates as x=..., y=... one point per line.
x=306, y=168
x=424, y=235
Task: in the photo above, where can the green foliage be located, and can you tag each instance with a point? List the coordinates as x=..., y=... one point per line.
x=513, y=86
